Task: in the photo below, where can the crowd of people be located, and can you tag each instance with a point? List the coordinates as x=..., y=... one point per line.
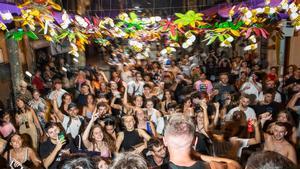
x=191, y=109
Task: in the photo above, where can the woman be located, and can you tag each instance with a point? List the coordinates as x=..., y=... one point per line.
x=94, y=139
x=188, y=108
x=143, y=123
x=131, y=138
x=89, y=108
x=110, y=128
x=167, y=99
x=100, y=78
x=28, y=122
x=20, y=155
x=6, y=126
x=66, y=100
x=39, y=105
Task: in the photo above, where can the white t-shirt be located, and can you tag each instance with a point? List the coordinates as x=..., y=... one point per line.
x=243, y=144
x=250, y=113
x=73, y=126
x=252, y=89
x=136, y=87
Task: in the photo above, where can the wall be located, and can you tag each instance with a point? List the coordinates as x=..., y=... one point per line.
x=295, y=50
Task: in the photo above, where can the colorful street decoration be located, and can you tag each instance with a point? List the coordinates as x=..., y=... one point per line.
x=44, y=18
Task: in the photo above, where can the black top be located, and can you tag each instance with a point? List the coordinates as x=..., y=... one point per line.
x=204, y=144
x=47, y=147
x=197, y=165
x=273, y=108
x=131, y=138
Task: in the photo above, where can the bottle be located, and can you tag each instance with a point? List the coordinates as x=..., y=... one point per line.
x=250, y=126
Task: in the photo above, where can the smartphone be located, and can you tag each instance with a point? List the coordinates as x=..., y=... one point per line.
x=61, y=136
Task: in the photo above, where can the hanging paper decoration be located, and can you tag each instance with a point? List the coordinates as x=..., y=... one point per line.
x=190, y=18
x=182, y=31
x=19, y=34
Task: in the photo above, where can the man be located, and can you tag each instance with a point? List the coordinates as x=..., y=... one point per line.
x=277, y=142
x=23, y=92
x=270, y=85
x=70, y=122
x=136, y=86
x=57, y=91
x=85, y=90
x=269, y=160
x=129, y=160
x=51, y=151
x=268, y=104
x=243, y=106
x=203, y=85
x=252, y=86
x=222, y=88
x=158, y=152
x=179, y=138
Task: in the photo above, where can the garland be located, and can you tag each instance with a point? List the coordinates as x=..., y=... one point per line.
x=46, y=18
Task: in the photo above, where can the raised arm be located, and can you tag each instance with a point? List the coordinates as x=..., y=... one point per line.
x=119, y=141
x=85, y=136
x=217, y=115
x=36, y=121
x=56, y=110
x=257, y=138
x=115, y=106
x=51, y=157
x=293, y=101
x=205, y=120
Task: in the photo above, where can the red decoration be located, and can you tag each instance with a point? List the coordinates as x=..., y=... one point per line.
x=40, y=1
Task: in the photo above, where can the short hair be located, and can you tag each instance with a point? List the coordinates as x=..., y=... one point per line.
x=245, y=96
x=179, y=124
x=129, y=160
x=154, y=142
x=51, y=125
x=269, y=160
x=79, y=163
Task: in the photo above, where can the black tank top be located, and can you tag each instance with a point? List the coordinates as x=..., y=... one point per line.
x=197, y=165
x=131, y=138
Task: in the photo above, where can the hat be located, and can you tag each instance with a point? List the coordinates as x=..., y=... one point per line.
x=72, y=105
x=194, y=65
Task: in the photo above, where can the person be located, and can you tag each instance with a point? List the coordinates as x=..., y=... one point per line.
x=6, y=126
x=269, y=160
x=252, y=86
x=57, y=91
x=23, y=92
x=57, y=145
x=21, y=155
x=159, y=156
x=78, y=163
x=28, y=122
x=89, y=108
x=94, y=139
x=268, y=104
x=243, y=106
x=277, y=142
x=223, y=87
x=136, y=85
x=70, y=122
x=179, y=137
x=203, y=85
x=40, y=107
x=38, y=82
x=129, y=160
x=131, y=138
x=143, y=122
x=85, y=90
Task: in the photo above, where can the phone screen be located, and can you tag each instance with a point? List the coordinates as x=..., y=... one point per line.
x=61, y=136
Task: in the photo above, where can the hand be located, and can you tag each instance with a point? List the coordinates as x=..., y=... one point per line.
x=254, y=122
x=55, y=95
x=124, y=84
x=203, y=104
x=217, y=105
x=266, y=116
x=88, y=82
x=59, y=144
x=95, y=116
